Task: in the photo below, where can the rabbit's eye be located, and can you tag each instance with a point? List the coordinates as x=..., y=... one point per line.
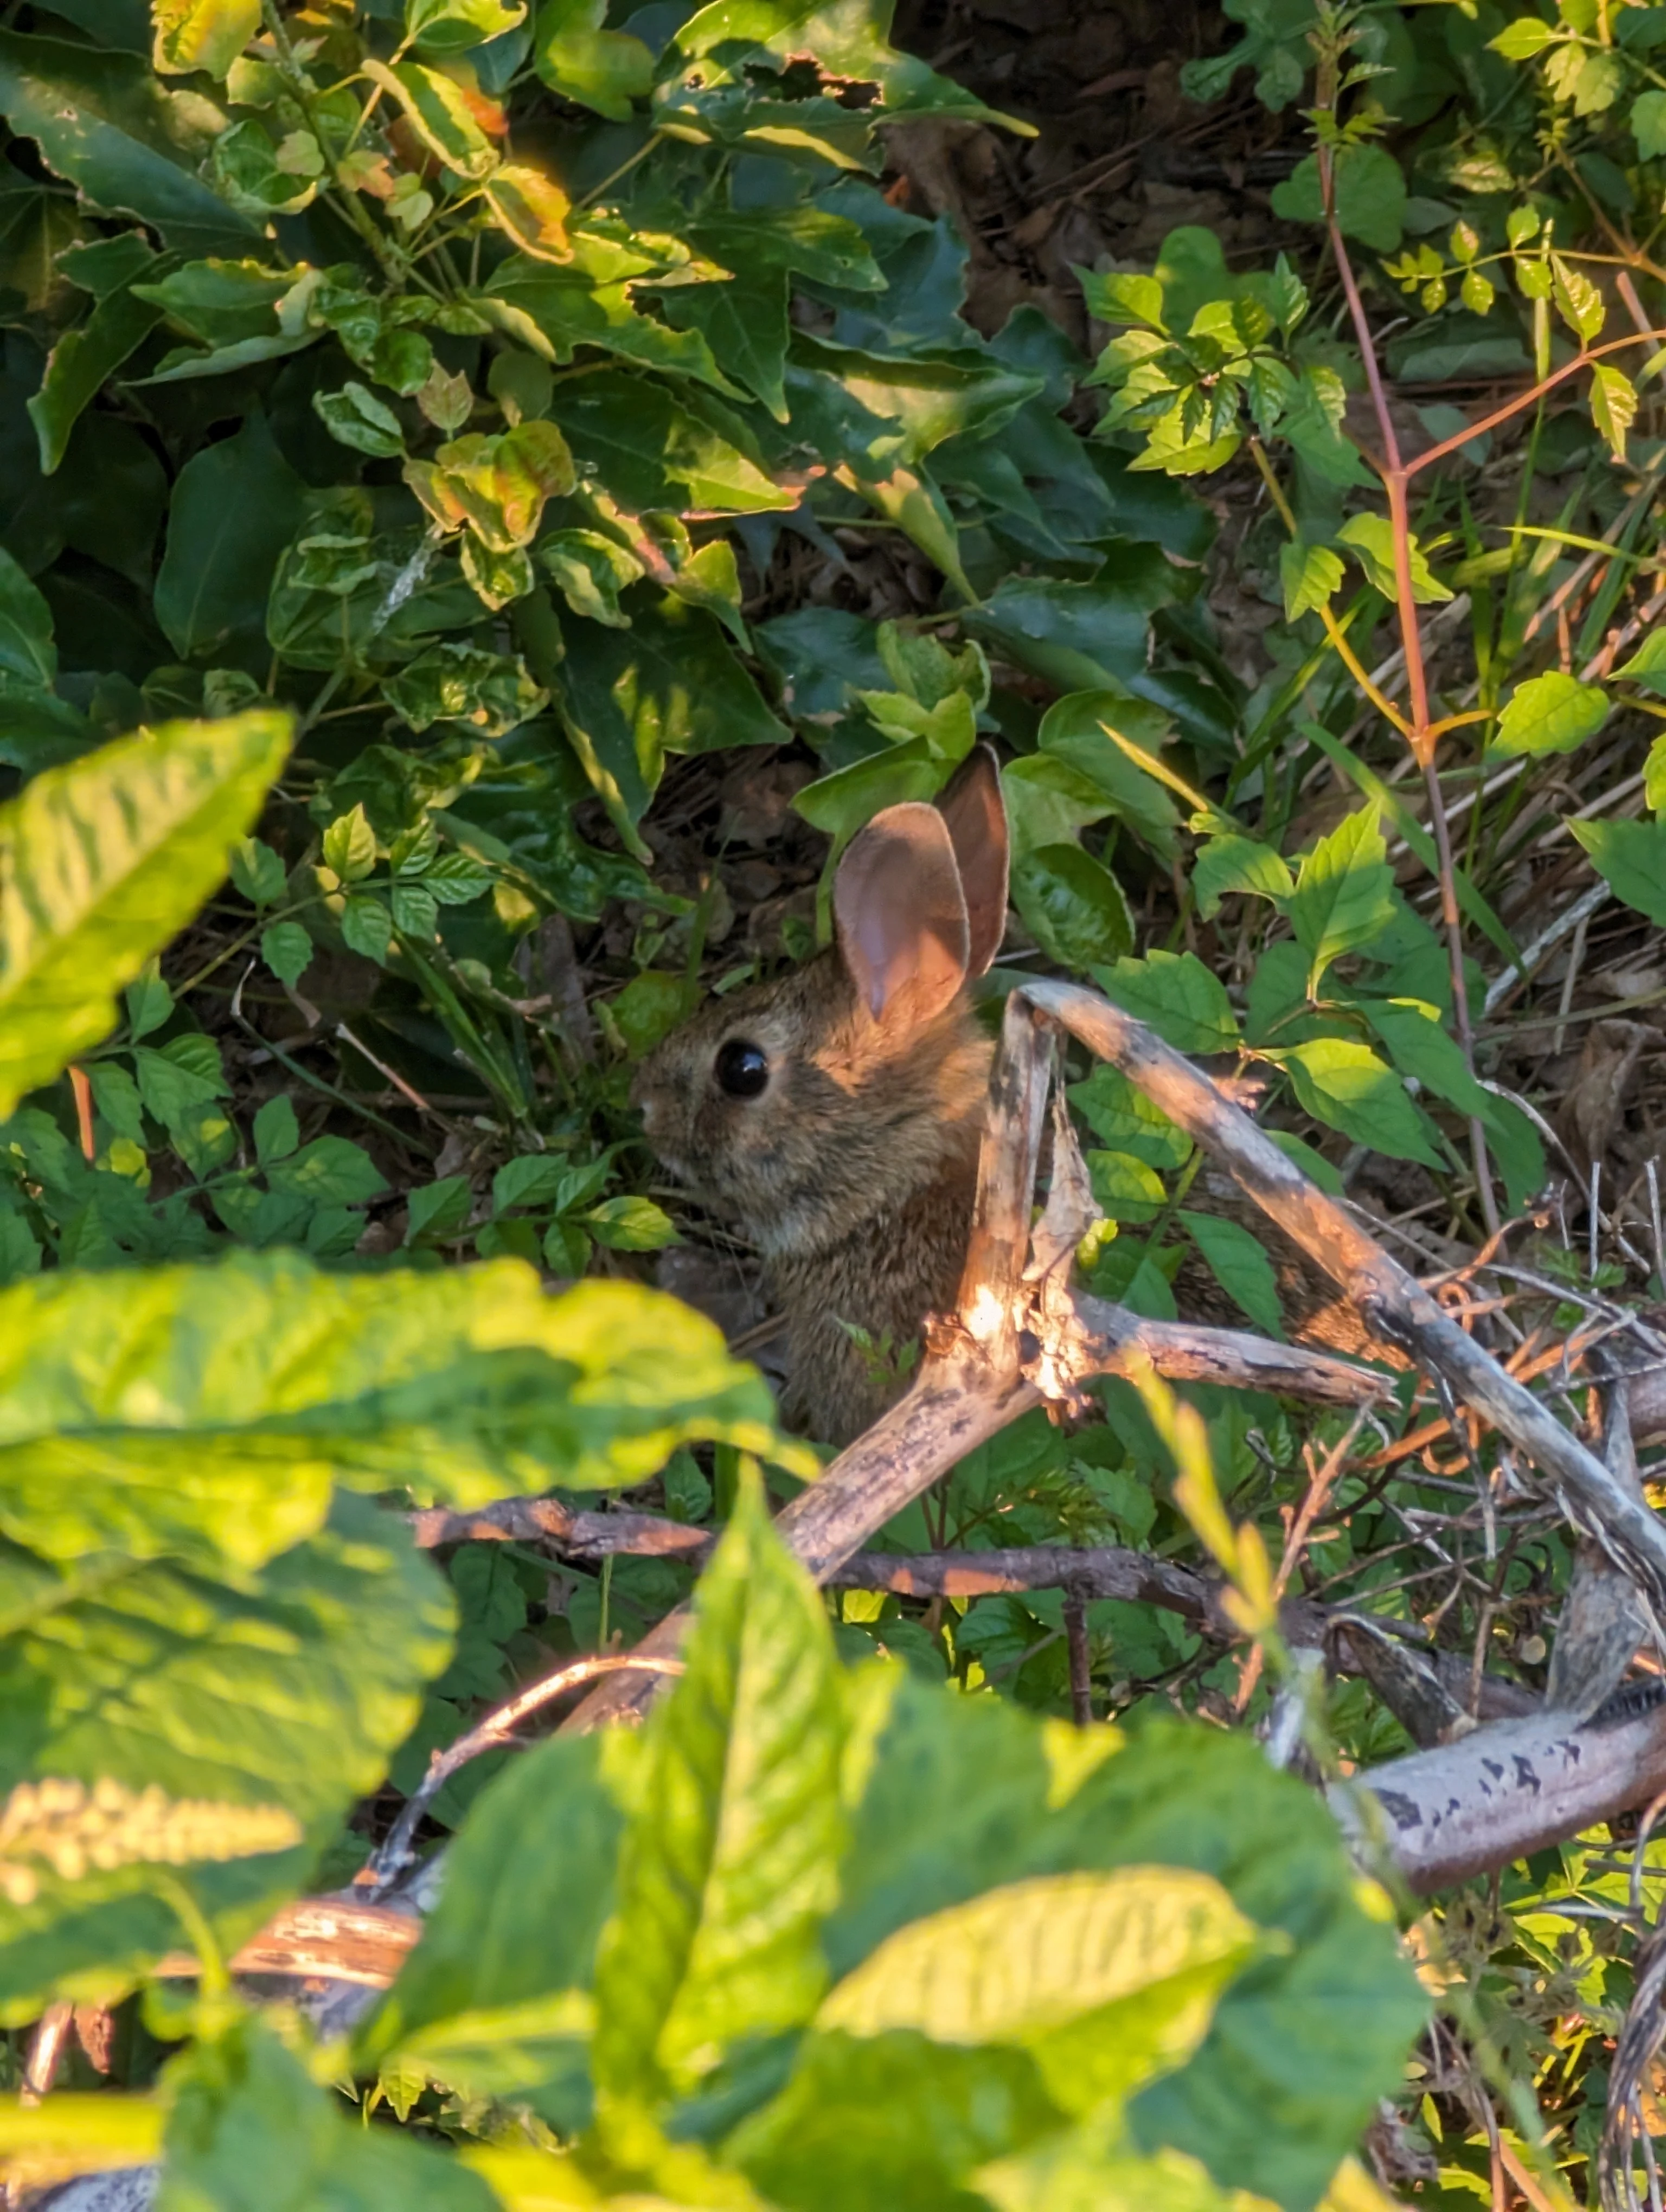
x=743, y=1069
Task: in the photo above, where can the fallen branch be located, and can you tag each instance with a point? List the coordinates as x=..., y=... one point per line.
x=1393, y=1303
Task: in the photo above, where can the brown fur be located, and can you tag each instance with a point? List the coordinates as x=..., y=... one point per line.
x=853, y=1173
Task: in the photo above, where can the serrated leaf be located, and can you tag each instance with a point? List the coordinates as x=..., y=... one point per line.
x=1550, y=713
x=1613, y=404
x=1072, y=906
x=1344, y=1083
x=1123, y=1118
x=257, y=872
x=276, y=1131
x=367, y=926
x=287, y=950
x=1419, y=1046
x=628, y=1223
x=100, y=862
x=437, y=1210
x=290, y=1690
x=1311, y=576
x=1579, y=303
x=1371, y=538
x=1521, y=40
x=1238, y=864
x=731, y=1860
x=1344, y=894
x=480, y=1385
x=349, y=846
x=1181, y=998
x=1238, y=1260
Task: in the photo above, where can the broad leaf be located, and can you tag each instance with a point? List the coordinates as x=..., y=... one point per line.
x=1630, y=858
x=731, y=1859
x=249, y=2131
x=103, y=121
x=203, y=34
x=652, y=453
x=207, y=1410
x=1344, y=1085
x=1551, y=714
x=1072, y=906
x=1238, y=1260
x=1238, y=864
x=1182, y=1001
x=236, y=505
x=289, y=1693
x=1344, y=894
x=100, y=862
x=1419, y=1045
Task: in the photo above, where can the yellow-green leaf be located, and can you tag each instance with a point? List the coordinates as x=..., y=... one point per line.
x=1613, y=405
x=100, y=862
x=440, y=116
x=201, y=35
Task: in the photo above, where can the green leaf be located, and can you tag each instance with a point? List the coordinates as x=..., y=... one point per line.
x=725, y=42
x=276, y=1131
x=1370, y=196
x=498, y=487
x=257, y=871
x=577, y=56
x=100, y=862
x=355, y=416
x=631, y=1224
x=529, y=1886
x=744, y=326
x=1238, y=864
x=1648, y=123
x=590, y=571
x=367, y=926
x=1647, y=665
x=202, y=34
x=1238, y=1260
x=1344, y=1084
x=438, y=116
x=26, y=627
x=81, y=363
x=435, y=1210
x=1117, y=298
x=1122, y=1117
x=1521, y=40
x=1631, y=859
x=1106, y=736
x=670, y=683
x=1371, y=538
x=1614, y=400
x=1096, y=2168
x=349, y=846
x=287, y=950
x=1419, y=1046
x=1312, y=576
x=1551, y=714
x=289, y=1690
x=1072, y=905
x=235, y=507
x=652, y=453
x=103, y=121
x=1125, y=1188
x=1178, y=996
x=330, y=1170
x=481, y=1385
x=1344, y=894
x=249, y=2131
x=453, y=27
x=1082, y=637
x=453, y=682
x=731, y=1860
x=1106, y=1978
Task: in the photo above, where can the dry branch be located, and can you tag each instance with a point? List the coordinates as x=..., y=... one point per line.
x=1395, y=1305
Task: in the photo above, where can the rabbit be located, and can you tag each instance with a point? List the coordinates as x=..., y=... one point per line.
x=834, y=1114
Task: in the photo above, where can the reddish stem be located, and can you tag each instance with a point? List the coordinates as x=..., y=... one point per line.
x=1421, y=738
x=84, y=1096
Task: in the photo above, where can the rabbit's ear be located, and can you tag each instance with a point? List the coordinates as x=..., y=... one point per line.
x=976, y=815
x=901, y=915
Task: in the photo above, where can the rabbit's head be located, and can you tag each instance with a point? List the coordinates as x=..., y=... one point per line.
x=801, y=1107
